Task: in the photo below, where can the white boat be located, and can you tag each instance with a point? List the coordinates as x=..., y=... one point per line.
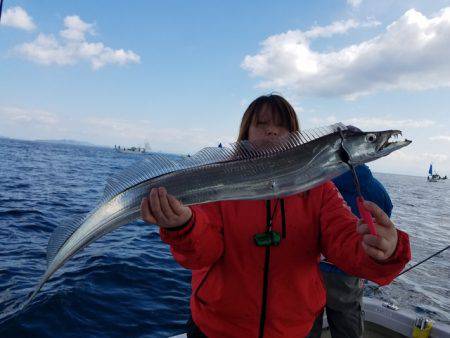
x=133, y=150
x=386, y=320
x=383, y=319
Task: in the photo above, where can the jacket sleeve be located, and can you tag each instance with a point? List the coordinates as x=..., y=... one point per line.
x=341, y=244
x=200, y=243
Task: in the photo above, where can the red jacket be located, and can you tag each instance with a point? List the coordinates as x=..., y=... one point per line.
x=228, y=268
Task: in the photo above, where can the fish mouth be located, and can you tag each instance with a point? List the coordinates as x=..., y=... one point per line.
x=393, y=140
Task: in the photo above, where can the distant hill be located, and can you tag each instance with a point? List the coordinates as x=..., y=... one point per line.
x=71, y=142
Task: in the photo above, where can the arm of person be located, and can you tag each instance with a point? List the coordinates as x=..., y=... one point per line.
x=193, y=233
x=347, y=242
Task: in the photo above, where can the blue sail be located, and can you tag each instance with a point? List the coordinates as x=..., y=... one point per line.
x=430, y=171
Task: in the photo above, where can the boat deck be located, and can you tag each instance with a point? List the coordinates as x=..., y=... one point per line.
x=371, y=330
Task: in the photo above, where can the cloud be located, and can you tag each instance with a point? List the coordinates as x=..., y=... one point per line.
x=415, y=158
x=177, y=140
x=390, y=123
x=411, y=54
x=337, y=27
x=367, y=123
x=76, y=28
x=440, y=138
x=26, y=123
x=143, y=129
x=410, y=161
x=321, y=121
x=33, y=117
x=17, y=17
x=47, y=49
x=354, y=3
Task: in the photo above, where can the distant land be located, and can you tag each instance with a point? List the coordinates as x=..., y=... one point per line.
x=63, y=141
x=71, y=142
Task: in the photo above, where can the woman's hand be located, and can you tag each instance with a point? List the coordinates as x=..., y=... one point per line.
x=164, y=210
x=381, y=246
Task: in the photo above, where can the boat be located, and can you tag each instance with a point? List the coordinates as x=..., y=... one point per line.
x=387, y=320
x=133, y=150
x=434, y=177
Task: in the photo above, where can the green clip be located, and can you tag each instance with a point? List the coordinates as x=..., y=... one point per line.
x=267, y=238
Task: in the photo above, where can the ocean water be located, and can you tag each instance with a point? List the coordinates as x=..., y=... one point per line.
x=126, y=283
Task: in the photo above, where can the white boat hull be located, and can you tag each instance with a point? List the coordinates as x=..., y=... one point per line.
x=383, y=320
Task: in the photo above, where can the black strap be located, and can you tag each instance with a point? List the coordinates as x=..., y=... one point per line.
x=262, y=319
x=180, y=227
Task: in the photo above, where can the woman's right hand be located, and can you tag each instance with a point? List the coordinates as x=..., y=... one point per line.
x=164, y=210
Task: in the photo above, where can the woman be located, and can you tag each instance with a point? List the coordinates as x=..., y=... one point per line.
x=271, y=288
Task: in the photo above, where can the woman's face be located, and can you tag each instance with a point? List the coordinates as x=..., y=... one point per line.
x=264, y=129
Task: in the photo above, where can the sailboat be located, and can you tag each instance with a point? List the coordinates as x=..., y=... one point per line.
x=434, y=177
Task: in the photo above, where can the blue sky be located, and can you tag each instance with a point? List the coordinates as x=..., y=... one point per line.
x=179, y=74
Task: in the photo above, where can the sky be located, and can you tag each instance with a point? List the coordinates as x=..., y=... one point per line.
x=180, y=74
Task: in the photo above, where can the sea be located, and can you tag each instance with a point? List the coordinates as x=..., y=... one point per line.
x=127, y=283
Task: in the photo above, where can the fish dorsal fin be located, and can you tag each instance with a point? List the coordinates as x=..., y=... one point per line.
x=153, y=166
x=60, y=236
x=156, y=164
x=247, y=150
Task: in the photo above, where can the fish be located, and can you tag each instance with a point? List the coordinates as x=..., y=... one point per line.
x=241, y=171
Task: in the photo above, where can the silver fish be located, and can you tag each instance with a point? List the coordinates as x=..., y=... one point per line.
x=242, y=171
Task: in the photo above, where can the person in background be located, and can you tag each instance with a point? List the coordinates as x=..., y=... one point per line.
x=344, y=292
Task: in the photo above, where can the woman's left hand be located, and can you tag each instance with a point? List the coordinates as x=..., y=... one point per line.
x=382, y=245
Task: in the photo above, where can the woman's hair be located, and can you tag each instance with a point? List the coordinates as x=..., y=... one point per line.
x=282, y=112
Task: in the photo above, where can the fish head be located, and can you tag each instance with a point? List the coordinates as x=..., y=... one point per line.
x=364, y=147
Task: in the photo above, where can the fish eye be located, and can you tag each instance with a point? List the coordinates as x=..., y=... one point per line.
x=371, y=138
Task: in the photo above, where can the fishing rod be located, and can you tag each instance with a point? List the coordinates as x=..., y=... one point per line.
x=1, y=6
x=423, y=261
x=377, y=288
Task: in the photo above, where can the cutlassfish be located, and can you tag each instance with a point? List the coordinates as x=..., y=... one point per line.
x=242, y=171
